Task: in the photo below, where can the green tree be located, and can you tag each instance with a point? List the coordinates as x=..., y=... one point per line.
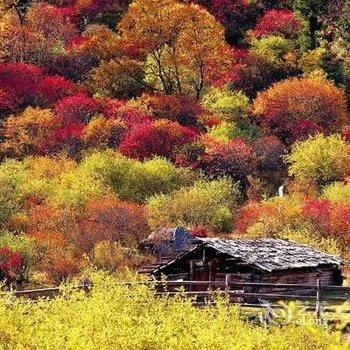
x=134, y=180
x=311, y=11
x=208, y=203
x=229, y=105
x=343, y=45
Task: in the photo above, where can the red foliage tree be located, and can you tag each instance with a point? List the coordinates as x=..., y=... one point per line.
x=11, y=265
x=94, y=7
x=234, y=158
x=177, y=108
x=54, y=88
x=318, y=211
x=201, y=232
x=330, y=218
x=50, y=23
x=87, y=11
x=346, y=133
x=68, y=137
x=279, y=23
x=6, y=101
x=19, y=82
x=78, y=108
x=252, y=73
x=112, y=220
x=116, y=109
x=251, y=213
x=297, y=107
x=157, y=138
x=75, y=63
x=24, y=84
x=191, y=154
x=59, y=258
x=269, y=152
x=270, y=167
x=340, y=222
x=236, y=16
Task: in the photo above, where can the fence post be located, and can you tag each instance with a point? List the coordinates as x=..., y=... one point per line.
x=191, y=274
x=268, y=316
x=227, y=286
x=318, y=300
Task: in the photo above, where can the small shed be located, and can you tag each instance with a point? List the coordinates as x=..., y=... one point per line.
x=254, y=260
x=168, y=242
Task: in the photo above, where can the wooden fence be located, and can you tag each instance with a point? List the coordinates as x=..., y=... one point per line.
x=319, y=298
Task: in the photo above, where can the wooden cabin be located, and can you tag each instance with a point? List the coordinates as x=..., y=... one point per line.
x=254, y=260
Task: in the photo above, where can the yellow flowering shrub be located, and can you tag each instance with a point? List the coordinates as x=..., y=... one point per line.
x=118, y=317
x=337, y=192
x=321, y=159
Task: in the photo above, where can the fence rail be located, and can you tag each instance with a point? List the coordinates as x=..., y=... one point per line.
x=242, y=293
x=227, y=287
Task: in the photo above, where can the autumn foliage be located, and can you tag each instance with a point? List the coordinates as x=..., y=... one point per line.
x=25, y=84
x=160, y=138
x=234, y=158
x=122, y=116
x=11, y=265
x=277, y=22
x=295, y=108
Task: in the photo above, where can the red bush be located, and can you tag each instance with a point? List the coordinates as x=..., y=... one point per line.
x=130, y=116
x=54, y=88
x=234, y=158
x=177, y=108
x=6, y=101
x=211, y=121
x=228, y=12
x=11, y=265
x=25, y=84
x=252, y=73
x=95, y=7
x=201, y=232
x=157, y=138
x=346, y=133
x=236, y=16
x=318, y=211
x=78, y=108
x=67, y=137
x=294, y=108
x=279, y=23
x=19, y=82
x=60, y=258
x=112, y=220
x=191, y=154
x=76, y=42
x=251, y=213
x=340, y=222
x=269, y=152
x=75, y=63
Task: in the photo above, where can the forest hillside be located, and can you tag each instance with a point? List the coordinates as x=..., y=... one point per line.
x=121, y=117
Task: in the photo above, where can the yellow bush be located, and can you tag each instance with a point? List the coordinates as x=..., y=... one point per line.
x=337, y=192
x=208, y=203
x=322, y=159
x=119, y=317
x=25, y=132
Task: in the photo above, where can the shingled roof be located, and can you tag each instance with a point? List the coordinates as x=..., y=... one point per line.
x=266, y=254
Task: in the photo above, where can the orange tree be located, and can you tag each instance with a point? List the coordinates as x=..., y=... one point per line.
x=24, y=133
x=174, y=40
x=296, y=107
